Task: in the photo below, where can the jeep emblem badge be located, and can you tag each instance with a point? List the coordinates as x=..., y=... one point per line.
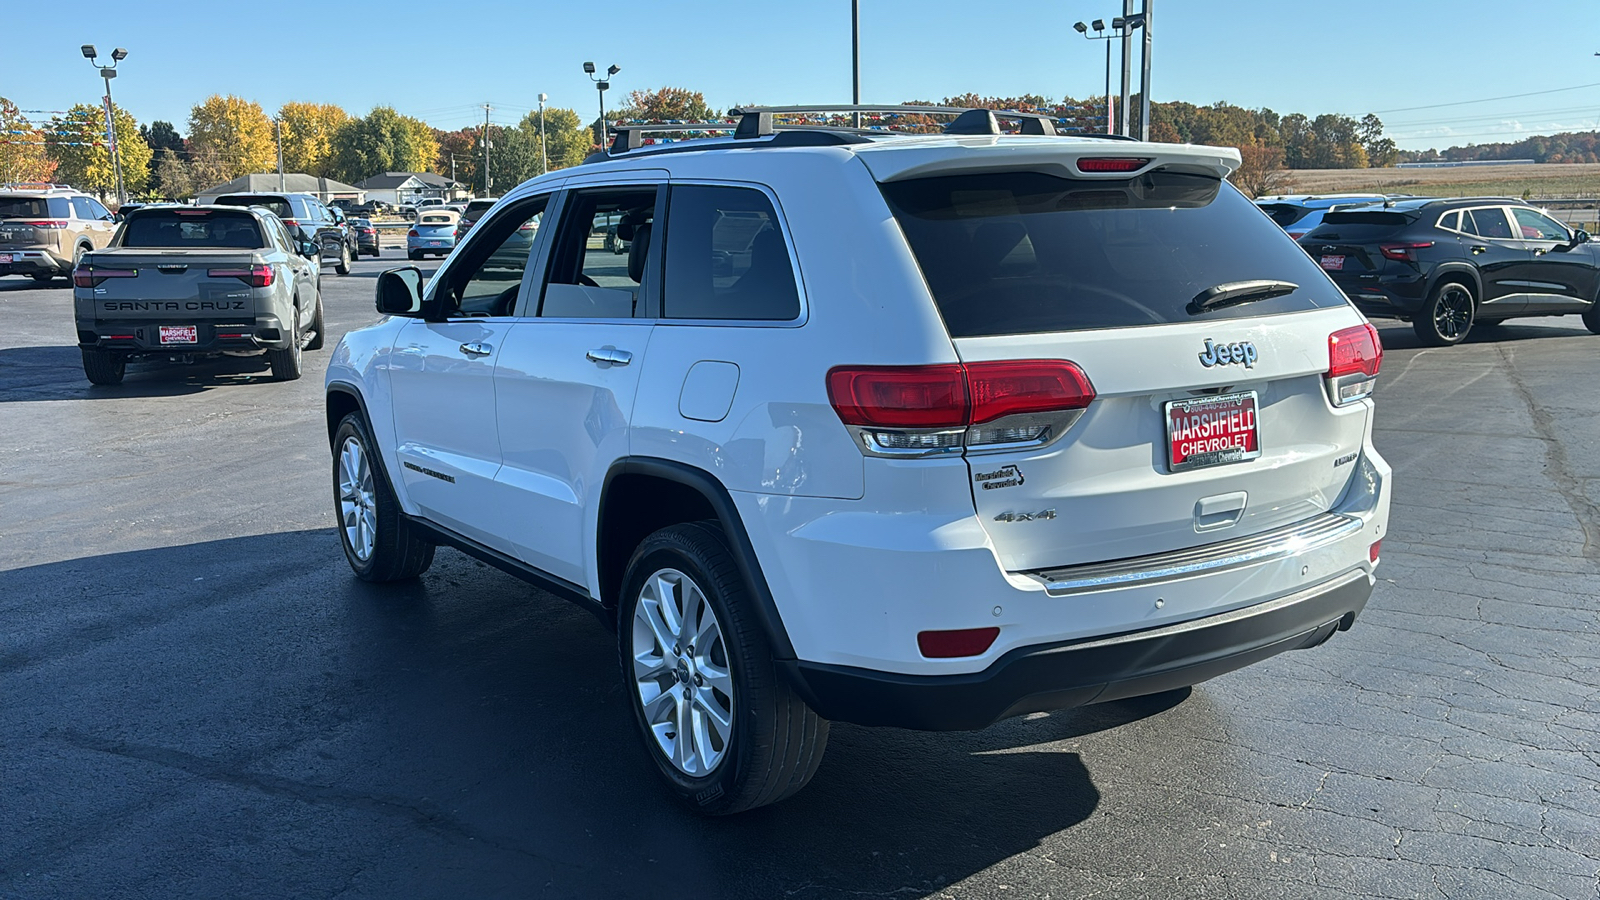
x=1215, y=354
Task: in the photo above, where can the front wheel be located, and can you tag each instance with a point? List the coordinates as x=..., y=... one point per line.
x=378, y=542
x=342, y=264
x=718, y=718
x=1447, y=317
x=104, y=367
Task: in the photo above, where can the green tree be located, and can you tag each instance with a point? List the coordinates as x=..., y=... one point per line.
x=164, y=142
x=459, y=154
x=235, y=131
x=83, y=155
x=567, y=141
x=382, y=141
x=308, y=130
x=23, y=147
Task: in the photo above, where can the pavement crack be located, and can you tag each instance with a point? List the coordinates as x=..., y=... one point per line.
x=1557, y=466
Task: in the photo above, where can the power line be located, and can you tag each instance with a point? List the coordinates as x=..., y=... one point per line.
x=1575, y=87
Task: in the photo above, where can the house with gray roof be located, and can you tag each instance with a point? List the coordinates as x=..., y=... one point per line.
x=406, y=188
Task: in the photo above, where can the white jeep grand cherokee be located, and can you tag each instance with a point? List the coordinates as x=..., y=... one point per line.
x=910, y=430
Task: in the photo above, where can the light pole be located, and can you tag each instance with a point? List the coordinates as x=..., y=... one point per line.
x=544, y=158
x=602, y=83
x=108, y=73
x=1116, y=31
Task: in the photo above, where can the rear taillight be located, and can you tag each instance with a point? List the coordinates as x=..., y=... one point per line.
x=1354, y=356
x=1297, y=235
x=1374, y=551
x=412, y=233
x=1112, y=163
x=291, y=223
x=91, y=276
x=255, y=276
x=48, y=223
x=927, y=410
x=1403, y=252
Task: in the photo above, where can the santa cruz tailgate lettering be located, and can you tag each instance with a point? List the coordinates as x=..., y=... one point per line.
x=173, y=305
x=1212, y=431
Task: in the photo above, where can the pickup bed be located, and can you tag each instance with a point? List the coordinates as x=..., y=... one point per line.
x=181, y=283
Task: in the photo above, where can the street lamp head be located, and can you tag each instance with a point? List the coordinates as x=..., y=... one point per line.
x=108, y=73
x=1081, y=28
x=603, y=85
x=588, y=68
x=613, y=70
x=543, y=97
x=1136, y=20
x=1117, y=23
x=89, y=51
x=119, y=54
x=1099, y=25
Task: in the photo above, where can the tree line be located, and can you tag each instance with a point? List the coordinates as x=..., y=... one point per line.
x=1567, y=147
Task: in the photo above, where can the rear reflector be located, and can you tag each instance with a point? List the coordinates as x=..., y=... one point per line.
x=255, y=276
x=952, y=644
x=1112, y=163
x=1372, y=552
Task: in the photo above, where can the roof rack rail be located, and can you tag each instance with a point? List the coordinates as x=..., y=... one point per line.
x=35, y=186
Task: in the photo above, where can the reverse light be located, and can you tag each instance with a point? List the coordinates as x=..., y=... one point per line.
x=953, y=644
x=90, y=276
x=255, y=276
x=1355, y=355
x=1403, y=252
x=1112, y=163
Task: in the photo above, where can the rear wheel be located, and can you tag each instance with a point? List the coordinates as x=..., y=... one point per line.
x=104, y=367
x=288, y=363
x=718, y=718
x=317, y=326
x=414, y=255
x=342, y=265
x=42, y=277
x=1591, y=318
x=378, y=542
x=1447, y=316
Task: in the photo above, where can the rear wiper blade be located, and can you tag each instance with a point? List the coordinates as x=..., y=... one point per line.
x=1236, y=292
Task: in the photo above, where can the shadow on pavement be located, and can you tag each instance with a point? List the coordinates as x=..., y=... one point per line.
x=56, y=373
x=462, y=733
x=1399, y=335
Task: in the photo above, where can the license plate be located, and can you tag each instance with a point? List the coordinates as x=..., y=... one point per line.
x=433, y=243
x=5, y=257
x=1333, y=263
x=179, y=334
x=1212, y=431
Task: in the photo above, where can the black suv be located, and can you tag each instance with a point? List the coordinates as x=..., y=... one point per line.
x=308, y=219
x=1445, y=264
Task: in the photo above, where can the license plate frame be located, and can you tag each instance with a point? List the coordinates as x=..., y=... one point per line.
x=436, y=243
x=176, y=335
x=1332, y=262
x=1241, y=439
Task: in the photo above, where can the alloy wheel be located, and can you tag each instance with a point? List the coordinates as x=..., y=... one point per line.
x=682, y=674
x=358, y=507
x=1452, y=315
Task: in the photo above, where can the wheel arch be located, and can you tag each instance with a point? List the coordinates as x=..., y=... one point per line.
x=1462, y=272
x=641, y=495
x=342, y=400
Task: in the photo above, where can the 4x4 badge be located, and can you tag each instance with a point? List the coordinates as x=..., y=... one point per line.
x=1224, y=354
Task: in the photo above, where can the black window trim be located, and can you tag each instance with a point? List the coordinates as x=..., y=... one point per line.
x=788, y=243
x=650, y=302
x=507, y=207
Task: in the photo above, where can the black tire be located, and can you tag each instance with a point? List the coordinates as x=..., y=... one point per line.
x=376, y=252
x=1591, y=318
x=414, y=255
x=775, y=742
x=41, y=277
x=398, y=552
x=1446, y=318
x=288, y=363
x=342, y=264
x=104, y=367
x=318, y=326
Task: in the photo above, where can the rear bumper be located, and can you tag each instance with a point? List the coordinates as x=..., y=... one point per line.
x=1076, y=673
x=29, y=262
x=1385, y=295
x=140, y=337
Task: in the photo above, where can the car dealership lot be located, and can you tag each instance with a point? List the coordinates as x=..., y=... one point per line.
x=200, y=700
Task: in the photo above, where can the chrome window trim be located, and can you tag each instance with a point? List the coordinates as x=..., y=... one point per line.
x=788, y=243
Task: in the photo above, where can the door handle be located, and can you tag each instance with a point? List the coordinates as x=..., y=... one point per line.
x=1540, y=251
x=610, y=355
x=476, y=348
x=1479, y=249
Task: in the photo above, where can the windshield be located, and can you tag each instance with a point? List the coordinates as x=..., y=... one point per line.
x=1025, y=252
x=191, y=229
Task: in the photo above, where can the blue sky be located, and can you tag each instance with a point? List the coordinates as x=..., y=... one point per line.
x=441, y=61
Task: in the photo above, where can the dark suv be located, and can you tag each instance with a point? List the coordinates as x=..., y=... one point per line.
x=308, y=219
x=1444, y=265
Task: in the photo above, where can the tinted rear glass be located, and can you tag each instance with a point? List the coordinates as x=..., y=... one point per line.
x=22, y=208
x=279, y=206
x=477, y=208
x=192, y=230
x=1359, y=226
x=1024, y=252
x=1285, y=214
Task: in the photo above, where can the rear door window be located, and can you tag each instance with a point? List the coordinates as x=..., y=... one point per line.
x=1026, y=252
x=726, y=257
x=1491, y=223
x=602, y=262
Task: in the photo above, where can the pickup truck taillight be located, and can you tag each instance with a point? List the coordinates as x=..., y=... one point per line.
x=1354, y=356
x=930, y=410
x=255, y=276
x=90, y=276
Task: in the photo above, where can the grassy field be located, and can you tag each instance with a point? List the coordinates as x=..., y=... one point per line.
x=1547, y=180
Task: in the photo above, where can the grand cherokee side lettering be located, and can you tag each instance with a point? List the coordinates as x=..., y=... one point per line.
x=1223, y=354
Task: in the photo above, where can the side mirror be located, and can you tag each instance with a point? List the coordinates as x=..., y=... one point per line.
x=1580, y=237
x=309, y=249
x=400, y=292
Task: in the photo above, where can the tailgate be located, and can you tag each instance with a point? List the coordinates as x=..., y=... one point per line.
x=139, y=284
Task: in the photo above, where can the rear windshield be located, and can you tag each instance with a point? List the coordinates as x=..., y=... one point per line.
x=23, y=208
x=437, y=220
x=1285, y=214
x=1359, y=226
x=477, y=208
x=191, y=229
x=1025, y=252
x=277, y=205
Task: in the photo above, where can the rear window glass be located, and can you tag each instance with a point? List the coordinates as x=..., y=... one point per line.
x=726, y=257
x=170, y=229
x=436, y=219
x=1359, y=226
x=22, y=208
x=277, y=205
x=1025, y=252
x=477, y=208
x=1285, y=214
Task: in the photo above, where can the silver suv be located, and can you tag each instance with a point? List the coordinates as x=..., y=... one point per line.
x=46, y=228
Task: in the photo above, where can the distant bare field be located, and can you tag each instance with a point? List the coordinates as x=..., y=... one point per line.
x=1549, y=179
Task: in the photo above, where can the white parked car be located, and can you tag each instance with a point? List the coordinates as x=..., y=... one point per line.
x=911, y=430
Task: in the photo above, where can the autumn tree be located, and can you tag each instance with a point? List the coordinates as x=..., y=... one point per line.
x=1261, y=171
x=382, y=141
x=460, y=155
x=308, y=130
x=83, y=155
x=566, y=140
x=235, y=131
x=669, y=103
x=23, y=148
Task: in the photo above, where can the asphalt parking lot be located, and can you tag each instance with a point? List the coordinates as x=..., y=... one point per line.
x=197, y=699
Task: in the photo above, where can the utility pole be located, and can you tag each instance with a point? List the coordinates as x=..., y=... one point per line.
x=278, y=127
x=855, y=58
x=452, y=167
x=1127, y=67
x=544, y=158
x=487, y=192
x=1144, y=78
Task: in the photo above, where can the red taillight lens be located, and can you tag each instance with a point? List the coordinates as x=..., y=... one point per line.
x=1112, y=163
x=900, y=396
x=292, y=223
x=1403, y=252
x=1011, y=388
x=369, y=231
x=1352, y=350
x=47, y=223
x=255, y=276
x=1372, y=552
x=951, y=644
x=412, y=233
x=89, y=276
